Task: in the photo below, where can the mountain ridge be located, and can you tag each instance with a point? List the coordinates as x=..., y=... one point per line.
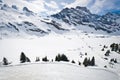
x=13, y=20
x=81, y=16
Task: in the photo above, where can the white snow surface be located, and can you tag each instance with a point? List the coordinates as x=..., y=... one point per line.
x=54, y=71
x=72, y=44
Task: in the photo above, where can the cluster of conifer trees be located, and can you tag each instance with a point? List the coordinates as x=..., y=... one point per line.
x=88, y=62
x=59, y=57
x=115, y=47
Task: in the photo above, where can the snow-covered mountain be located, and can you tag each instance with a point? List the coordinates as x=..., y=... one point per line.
x=109, y=22
x=20, y=22
x=14, y=22
x=75, y=32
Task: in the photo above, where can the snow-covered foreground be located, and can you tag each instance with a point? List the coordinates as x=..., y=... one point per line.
x=72, y=45
x=54, y=71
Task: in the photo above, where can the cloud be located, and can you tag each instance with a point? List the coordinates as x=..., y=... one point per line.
x=97, y=6
x=52, y=4
x=79, y=3
x=104, y=6
x=64, y=4
x=34, y=5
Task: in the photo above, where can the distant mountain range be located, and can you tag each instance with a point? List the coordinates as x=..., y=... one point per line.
x=109, y=22
x=14, y=22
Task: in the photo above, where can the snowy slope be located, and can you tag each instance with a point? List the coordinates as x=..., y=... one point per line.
x=54, y=71
x=73, y=31
x=71, y=44
x=15, y=23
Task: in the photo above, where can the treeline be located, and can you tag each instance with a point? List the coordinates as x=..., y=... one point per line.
x=58, y=58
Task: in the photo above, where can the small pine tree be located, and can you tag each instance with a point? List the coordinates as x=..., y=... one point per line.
x=79, y=63
x=37, y=59
x=22, y=57
x=52, y=60
x=112, y=46
x=64, y=58
x=93, y=61
x=107, y=53
x=116, y=47
x=5, y=61
x=45, y=59
x=72, y=61
x=58, y=57
x=115, y=60
x=102, y=49
x=85, y=62
x=118, y=51
x=105, y=66
x=86, y=54
x=112, y=60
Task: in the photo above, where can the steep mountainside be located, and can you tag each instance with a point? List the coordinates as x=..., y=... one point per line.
x=17, y=22
x=14, y=22
x=109, y=22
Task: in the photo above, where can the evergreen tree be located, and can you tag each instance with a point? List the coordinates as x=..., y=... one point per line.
x=61, y=58
x=45, y=59
x=116, y=47
x=93, y=61
x=52, y=60
x=22, y=57
x=112, y=46
x=102, y=49
x=5, y=61
x=86, y=54
x=58, y=57
x=107, y=53
x=72, y=61
x=119, y=50
x=115, y=60
x=64, y=58
x=37, y=59
x=79, y=63
x=85, y=62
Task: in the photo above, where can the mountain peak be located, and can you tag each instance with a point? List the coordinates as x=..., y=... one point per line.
x=72, y=13
x=82, y=8
x=82, y=16
x=27, y=11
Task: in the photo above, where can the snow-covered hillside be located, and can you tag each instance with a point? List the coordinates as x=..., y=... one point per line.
x=73, y=45
x=75, y=32
x=15, y=22
x=55, y=71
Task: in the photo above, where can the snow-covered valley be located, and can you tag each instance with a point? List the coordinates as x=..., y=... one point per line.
x=72, y=44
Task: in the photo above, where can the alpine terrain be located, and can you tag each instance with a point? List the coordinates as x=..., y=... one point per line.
x=71, y=44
